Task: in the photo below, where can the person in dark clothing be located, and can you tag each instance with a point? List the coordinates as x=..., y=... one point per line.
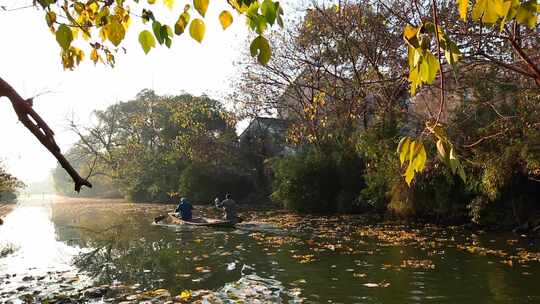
x=229, y=208
x=184, y=209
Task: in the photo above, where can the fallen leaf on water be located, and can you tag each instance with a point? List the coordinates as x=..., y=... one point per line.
x=185, y=295
x=302, y=259
x=202, y=269
x=424, y=264
x=373, y=285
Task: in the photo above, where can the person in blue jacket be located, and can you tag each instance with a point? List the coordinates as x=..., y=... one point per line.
x=184, y=209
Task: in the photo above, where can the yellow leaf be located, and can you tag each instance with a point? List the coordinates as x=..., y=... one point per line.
x=226, y=19
x=181, y=24
x=94, y=56
x=403, y=149
x=441, y=149
x=115, y=32
x=485, y=9
x=103, y=34
x=151, y=1
x=201, y=6
x=463, y=7
x=413, y=147
x=409, y=175
x=429, y=68
x=409, y=32
x=159, y=291
x=502, y=7
x=169, y=3
x=92, y=7
x=185, y=295
x=75, y=32
x=414, y=78
x=527, y=14
x=50, y=18
x=197, y=30
x=419, y=161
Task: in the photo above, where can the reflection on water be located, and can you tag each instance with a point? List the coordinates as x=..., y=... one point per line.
x=118, y=244
x=38, y=259
x=30, y=231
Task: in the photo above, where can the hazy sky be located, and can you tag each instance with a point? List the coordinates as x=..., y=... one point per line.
x=30, y=62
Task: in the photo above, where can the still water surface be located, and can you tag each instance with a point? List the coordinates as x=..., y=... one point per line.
x=59, y=247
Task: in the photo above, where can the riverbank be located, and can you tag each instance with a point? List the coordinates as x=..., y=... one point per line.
x=252, y=211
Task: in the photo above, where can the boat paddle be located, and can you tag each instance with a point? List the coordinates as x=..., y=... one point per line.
x=159, y=218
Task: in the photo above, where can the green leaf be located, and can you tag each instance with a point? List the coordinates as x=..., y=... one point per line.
x=261, y=48
x=451, y=52
x=269, y=9
x=147, y=41
x=454, y=161
x=201, y=6
x=226, y=19
x=64, y=36
x=156, y=28
x=279, y=19
x=166, y=32
x=197, y=29
x=461, y=173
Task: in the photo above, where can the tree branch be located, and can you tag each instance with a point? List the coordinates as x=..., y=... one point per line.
x=35, y=124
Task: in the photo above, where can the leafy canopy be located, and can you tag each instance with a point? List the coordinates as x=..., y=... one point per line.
x=425, y=64
x=104, y=25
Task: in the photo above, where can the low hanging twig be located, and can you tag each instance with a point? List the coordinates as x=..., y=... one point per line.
x=436, y=21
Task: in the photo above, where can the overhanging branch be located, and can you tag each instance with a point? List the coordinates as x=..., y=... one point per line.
x=33, y=122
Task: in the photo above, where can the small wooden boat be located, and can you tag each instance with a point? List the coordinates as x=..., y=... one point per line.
x=172, y=219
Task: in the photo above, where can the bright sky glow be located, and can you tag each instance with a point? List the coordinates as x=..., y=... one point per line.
x=30, y=63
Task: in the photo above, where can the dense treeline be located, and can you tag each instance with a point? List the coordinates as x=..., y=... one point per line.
x=338, y=76
x=154, y=148
x=9, y=185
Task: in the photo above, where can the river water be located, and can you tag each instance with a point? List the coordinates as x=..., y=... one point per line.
x=60, y=247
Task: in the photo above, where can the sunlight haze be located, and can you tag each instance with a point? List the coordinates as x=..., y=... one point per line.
x=31, y=64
